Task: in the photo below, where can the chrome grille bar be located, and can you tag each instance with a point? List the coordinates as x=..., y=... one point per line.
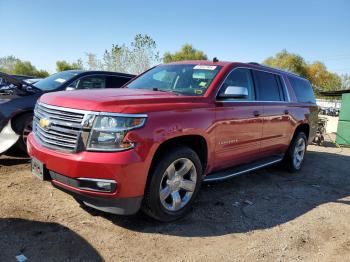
x=64, y=127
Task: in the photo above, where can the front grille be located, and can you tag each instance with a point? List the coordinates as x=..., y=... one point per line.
x=58, y=127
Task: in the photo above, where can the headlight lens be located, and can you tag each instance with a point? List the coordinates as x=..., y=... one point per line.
x=108, y=132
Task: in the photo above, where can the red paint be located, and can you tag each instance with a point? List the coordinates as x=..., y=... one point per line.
x=232, y=133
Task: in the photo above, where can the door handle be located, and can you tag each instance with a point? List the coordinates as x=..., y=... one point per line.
x=286, y=112
x=256, y=113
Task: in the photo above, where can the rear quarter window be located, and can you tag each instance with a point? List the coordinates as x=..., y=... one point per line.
x=116, y=81
x=302, y=90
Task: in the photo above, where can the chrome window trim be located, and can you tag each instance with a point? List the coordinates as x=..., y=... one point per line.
x=94, y=75
x=252, y=101
x=97, y=180
x=285, y=87
x=88, y=112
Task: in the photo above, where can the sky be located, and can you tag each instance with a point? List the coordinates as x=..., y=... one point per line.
x=43, y=31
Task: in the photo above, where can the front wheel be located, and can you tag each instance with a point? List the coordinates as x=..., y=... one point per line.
x=173, y=185
x=23, y=125
x=296, y=152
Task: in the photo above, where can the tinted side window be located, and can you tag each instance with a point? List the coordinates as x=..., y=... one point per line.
x=89, y=82
x=302, y=90
x=116, y=81
x=241, y=78
x=268, y=87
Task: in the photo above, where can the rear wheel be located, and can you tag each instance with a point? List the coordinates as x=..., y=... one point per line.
x=296, y=153
x=23, y=125
x=174, y=184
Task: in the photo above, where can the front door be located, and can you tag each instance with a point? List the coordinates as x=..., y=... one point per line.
x=238, y=127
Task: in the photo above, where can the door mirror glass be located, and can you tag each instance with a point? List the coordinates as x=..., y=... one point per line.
x=235, y=92
x=70, y=88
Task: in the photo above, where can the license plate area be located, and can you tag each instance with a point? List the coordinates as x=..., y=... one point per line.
x=38, y=169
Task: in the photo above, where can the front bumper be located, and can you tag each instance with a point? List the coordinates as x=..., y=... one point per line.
x=127, y=168
x=119, y=206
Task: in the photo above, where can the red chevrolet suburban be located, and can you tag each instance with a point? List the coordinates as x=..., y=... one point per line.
x=151, y=144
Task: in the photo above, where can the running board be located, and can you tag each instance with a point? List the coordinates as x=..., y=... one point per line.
x=243, y=169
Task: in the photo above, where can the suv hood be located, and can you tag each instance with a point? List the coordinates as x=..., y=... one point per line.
x=121, y=100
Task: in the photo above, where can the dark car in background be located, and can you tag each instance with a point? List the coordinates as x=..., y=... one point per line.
x=18, y=98
x=28, y=79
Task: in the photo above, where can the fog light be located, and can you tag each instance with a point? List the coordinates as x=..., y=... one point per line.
x=99, y=185
x=104, y=185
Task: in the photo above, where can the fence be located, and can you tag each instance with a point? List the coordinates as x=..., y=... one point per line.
x=329, y=103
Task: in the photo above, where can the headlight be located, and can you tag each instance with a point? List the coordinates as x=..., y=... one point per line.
x=108, y=132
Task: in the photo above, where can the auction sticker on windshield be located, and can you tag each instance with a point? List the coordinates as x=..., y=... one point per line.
x=60, y=80
x=204, y=67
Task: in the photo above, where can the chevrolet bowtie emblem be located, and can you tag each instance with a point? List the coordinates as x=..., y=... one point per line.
x=44, y=123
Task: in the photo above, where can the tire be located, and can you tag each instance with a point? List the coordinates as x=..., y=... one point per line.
x=178, y=189
x=23, y=126
x=296, y=153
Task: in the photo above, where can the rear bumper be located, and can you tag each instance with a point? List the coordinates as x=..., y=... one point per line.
x=126, y=168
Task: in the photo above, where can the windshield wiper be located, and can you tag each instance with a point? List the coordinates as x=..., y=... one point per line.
x=165, y=90
x=31, y=87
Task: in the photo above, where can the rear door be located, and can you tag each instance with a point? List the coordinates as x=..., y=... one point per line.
x=271, y=92
x=238, y=127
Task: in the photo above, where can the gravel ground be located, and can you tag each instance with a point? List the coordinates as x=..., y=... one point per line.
x=268, y=215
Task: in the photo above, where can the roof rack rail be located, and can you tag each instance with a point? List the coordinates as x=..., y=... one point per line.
x=278, y=69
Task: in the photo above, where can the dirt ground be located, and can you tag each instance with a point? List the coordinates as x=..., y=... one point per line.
x=268, y=215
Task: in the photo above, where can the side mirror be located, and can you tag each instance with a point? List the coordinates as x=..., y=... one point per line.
x=235, y=92
x=69, y=88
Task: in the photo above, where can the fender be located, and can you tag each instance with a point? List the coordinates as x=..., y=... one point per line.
x=8, y=137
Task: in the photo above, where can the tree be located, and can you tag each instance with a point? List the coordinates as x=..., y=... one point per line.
x=63, y=65
x=92, y=62
x=13, y=65
x=288, y=61
x=321, y=78
x=118, y=59
x=187, y=52
x=345, y=81
x=26, y=68
x=7, y=63
x=143, y=54
x=135, y=58
x=316, y=72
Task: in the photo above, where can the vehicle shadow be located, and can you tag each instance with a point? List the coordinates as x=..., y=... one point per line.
x=40, y=241
x=13, y=161
x=259, y=200
x=14, y=157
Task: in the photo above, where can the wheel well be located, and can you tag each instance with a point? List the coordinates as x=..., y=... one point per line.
x=18, y=116
x=303, y=128
x=196, y=142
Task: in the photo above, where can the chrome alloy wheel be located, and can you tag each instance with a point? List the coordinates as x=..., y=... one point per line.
x=299, y=152
x=178, y=184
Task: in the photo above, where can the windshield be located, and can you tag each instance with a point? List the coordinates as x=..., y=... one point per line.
x=185, y=79
x=54, y=81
